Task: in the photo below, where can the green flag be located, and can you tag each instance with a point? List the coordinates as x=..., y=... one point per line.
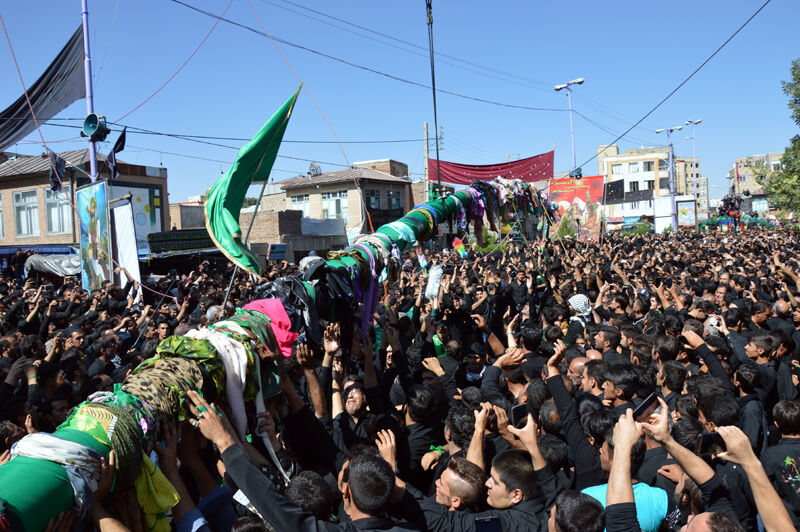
x=224, y=199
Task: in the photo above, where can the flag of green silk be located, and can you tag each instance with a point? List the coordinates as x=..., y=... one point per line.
x=224, y=200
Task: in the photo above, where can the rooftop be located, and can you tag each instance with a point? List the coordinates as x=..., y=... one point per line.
x=340, y=176
x=17, y=164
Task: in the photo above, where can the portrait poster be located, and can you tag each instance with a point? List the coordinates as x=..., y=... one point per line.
x=96, y=266
x=578, y=207
x=687, y=215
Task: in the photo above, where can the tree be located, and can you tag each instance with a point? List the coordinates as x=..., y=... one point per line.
x=783, y=187
x=249, y=202
x=792, y=90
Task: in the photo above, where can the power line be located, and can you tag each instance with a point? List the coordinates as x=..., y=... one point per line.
x=538, y=85
x=365, y=68
x=186, y=62
x=141, y=131
x=681, y=84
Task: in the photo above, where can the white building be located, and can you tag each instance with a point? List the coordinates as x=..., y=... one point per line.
x=645, y=174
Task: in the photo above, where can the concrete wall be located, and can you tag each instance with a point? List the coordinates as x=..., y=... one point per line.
x=187, y=216
x=318, y=226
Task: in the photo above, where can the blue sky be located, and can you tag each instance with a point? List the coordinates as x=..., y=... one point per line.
x=631, y=55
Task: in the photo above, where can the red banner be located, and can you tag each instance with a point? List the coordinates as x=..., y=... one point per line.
x=532, y=169
x=578, y=206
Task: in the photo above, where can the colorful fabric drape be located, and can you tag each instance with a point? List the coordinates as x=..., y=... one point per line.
x=531, y=169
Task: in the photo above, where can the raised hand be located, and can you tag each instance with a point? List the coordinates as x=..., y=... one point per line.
x=433, y=365
x=428, y=462
x=331, y=338
x=387, y=446
x=528, y=434
x=305, y=357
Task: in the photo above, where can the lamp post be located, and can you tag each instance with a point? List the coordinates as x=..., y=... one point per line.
x=694, y=159
x=669, y=131
x=568, y=85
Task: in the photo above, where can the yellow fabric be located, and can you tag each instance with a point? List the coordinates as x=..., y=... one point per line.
x=155, y=495
x=93, y=421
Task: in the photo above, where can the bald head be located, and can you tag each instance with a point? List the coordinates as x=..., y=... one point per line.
x=781, y=308
x=594, y=354
x=575, y=370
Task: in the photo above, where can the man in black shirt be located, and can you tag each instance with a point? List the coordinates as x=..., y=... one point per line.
x=620, y=386
x=782, y=461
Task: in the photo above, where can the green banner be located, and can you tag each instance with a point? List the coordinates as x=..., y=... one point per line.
x=224, y=199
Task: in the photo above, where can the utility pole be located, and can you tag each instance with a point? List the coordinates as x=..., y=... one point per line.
x=427, y=155
x=87, y=79
x=669, y=131
x=568, y=85
x=429, y=12
x=695, y=166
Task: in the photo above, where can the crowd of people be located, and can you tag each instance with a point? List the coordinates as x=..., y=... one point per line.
x=639, y=383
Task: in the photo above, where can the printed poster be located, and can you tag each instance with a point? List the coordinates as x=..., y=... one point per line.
x=95, y=243
x=687, y=215
x=146, y=204
x=578, y=207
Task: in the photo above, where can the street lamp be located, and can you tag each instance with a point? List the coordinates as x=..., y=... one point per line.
x=568, y=85
x=694, y=157
x=669, y=131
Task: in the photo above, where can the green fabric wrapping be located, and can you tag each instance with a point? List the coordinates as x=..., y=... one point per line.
x=465, y=198
x=35, y=491
x=441, y=210
x=224, y=200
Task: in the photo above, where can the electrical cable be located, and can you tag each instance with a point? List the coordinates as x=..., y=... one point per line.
x=403, y=49
x=545, y=86
x=429, y=11
x=365, y=68
x=183, y=65
x=143, y=131
x=681, y=84
x=44, y=143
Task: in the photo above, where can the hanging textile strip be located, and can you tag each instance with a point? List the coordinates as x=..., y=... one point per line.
x=371, y=293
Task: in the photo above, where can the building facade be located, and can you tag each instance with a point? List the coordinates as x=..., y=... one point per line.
x=34, y=217
x=364, y=196
x=645, y=174
x=750, y=171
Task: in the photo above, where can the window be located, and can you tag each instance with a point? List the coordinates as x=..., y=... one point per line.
x=373, y=199
x=662, y=164
x=58, y=210
x=2, y=234
x=334, y=204
x=633, y=168
x=394, y=199
x=634, y=186
x=647, y=166
x=649, y=185
x=301, y=203
x=26, y=212
x=616, y=168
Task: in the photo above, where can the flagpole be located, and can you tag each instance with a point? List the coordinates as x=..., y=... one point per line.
x=246, y=236
x=87, y=78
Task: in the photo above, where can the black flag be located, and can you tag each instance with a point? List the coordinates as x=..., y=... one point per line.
x=111, y=159
x=57, y=167
x=60, y=85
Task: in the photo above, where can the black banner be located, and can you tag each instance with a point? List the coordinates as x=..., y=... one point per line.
x=60, y=85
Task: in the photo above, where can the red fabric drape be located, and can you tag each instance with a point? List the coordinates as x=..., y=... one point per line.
x=532, y=169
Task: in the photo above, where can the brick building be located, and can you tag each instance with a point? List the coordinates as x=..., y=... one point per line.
x=34, y=217
x=383, y=184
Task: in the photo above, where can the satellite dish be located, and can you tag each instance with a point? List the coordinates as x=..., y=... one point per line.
x=314, y=169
